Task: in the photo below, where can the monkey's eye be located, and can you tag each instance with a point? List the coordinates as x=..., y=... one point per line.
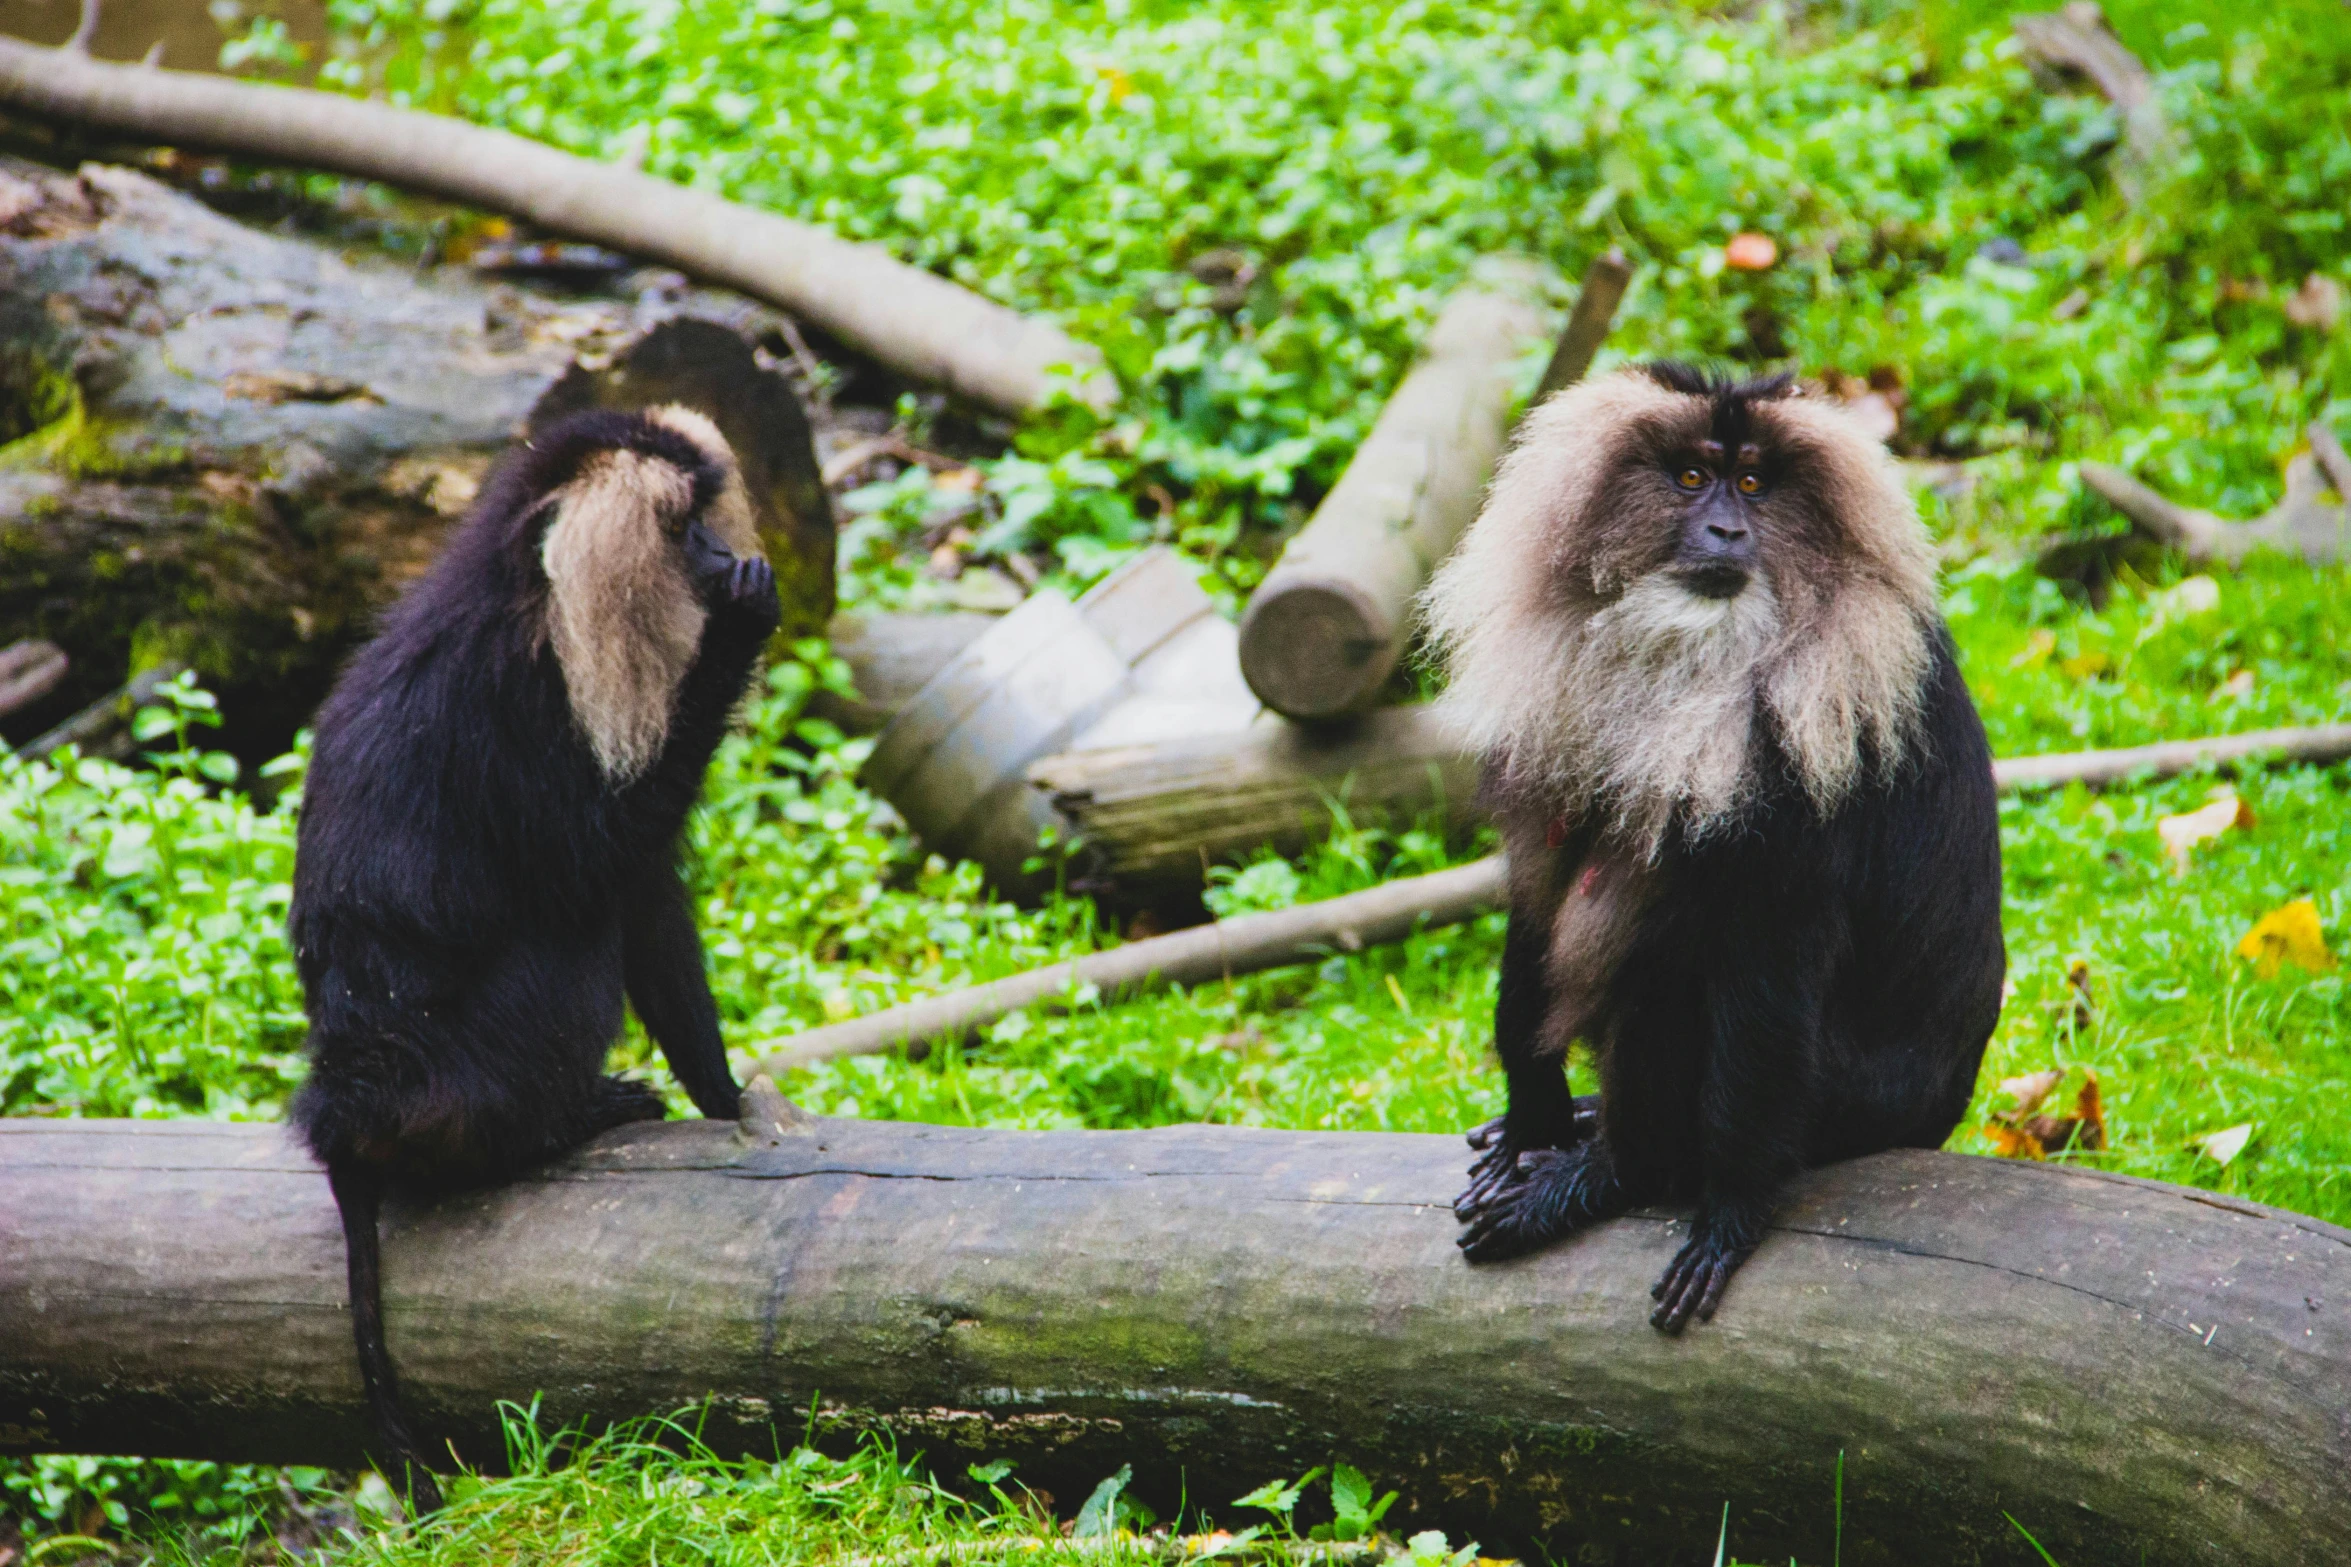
x=1691, y=478
x=1750, y=482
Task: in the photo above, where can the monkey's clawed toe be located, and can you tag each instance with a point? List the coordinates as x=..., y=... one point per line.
x=1693, y=1283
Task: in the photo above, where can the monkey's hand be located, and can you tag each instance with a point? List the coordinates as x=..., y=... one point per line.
x=1693, y=1282
x=1547, y=1193
x=743, y=588
x=1498, y=1151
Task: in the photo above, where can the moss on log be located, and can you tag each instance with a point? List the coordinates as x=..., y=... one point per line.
x=2135, y=1371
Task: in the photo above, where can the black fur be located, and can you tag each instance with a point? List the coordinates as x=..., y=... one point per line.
x=1796, y=991
x=472, y=896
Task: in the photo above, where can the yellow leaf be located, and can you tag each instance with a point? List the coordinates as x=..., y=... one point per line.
x=2037, y=647
x=2222, y=1146
x=2008, y=1142
x=2181, y=834
x=1120, y=83
x=2289, y=933
x=2083, y=665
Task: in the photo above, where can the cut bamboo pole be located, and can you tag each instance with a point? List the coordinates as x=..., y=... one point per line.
x=2136, y=1372
x=912, y=321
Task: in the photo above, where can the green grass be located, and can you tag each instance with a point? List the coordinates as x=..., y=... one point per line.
x=1075, y=159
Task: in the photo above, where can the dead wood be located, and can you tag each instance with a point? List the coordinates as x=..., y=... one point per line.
x=2134, y=1371
x=915, y=322
x=1605, y=281
x=29, y=670
x=1221, y=949
x=2077, y=40
x=2304, y=522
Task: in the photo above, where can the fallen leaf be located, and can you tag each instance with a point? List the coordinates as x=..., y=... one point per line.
x=2289, y=933
x=2037, y=647
x=1751, y=252
x=2070, y=306
x=2082, y=666
x=965, y=480
x=2089, y=1108
x=2236, y=687
x=2009, y=1142
x=2028, y=1091
x=2317, y=303
x=2222, y=1146
x=2181, y=833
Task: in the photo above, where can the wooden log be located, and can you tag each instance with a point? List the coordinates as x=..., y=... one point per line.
x=1156, y=815
x=2169, y=758
x=2134, y=1371
x=913, y=321
x=104, y=727
x=1327, y=625
x=1220, y=949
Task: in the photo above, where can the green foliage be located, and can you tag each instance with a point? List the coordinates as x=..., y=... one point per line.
x=143, y=965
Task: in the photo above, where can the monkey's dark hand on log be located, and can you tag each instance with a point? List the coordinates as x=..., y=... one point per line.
x=1748, y=809
x=486, y=871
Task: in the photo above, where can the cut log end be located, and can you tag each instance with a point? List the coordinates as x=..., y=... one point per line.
x=1319, y=650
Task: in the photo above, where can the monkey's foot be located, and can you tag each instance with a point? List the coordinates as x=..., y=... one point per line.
x=1498, y=1151
x=617, y=1101
x=1693, y=1282
x=1547, y=1193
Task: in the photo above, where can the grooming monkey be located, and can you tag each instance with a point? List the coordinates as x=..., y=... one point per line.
x=1754, y=861
x=487, y=860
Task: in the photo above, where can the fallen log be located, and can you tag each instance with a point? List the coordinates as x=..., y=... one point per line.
x=1327, y=625
x=30, y=669
x=2134, y=1371
x=104, y=727
x=913, y=321
x=1220, y=949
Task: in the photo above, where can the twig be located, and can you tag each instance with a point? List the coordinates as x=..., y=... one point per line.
x=857, y=454
x=29, y=671
x=2078, y=38
x=2300, y=523
x=1390, y=913
x=2331, y=458
x=84, y=30
x=913, y=321
x=104, y=727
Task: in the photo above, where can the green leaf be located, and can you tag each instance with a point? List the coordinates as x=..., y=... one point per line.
x=1098, y=1518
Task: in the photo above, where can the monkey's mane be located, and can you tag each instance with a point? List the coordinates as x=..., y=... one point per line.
x=620, y=612
x=1603, y=689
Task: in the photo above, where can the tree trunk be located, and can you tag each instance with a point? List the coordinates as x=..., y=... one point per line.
x=228, y=448
x=2134, y=1371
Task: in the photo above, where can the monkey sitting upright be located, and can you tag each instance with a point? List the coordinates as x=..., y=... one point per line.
x=487, y=857
x=1754, y=858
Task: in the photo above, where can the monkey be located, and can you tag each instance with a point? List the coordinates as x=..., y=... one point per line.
x=1746, y=806
x=486, y=858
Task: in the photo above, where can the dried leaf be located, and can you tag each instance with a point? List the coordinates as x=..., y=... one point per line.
x=2222, y=1146
x=1751, y=252
x=2237, y=687
x=2009, y=1142
x=2028, y=1091
x=2318, y=303
x=2083, y=666
x=2181, y=834
x=2085, y=1005
x=962, y=480
x=2054, y=1133
x=2089, y=1108
x=2289, y=933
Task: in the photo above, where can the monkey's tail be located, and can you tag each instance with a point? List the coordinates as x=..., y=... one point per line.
x=359, y=1196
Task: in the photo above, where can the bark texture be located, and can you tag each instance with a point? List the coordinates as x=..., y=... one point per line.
x=2134, y=1371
